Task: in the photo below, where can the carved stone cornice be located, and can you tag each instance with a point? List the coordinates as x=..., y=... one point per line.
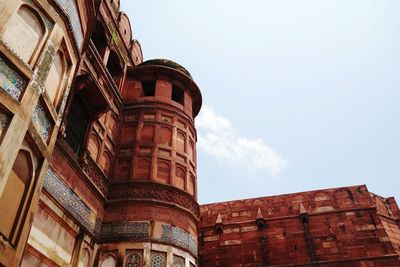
x=154, y=192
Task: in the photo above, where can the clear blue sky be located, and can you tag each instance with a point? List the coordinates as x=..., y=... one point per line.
x=297, y=95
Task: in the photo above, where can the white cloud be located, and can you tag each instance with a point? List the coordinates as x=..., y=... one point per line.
x=218, y=137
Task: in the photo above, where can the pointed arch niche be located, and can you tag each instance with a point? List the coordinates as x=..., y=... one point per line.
x=109, y=261
x=14, y=198
x=26, y=22
x=55, y=82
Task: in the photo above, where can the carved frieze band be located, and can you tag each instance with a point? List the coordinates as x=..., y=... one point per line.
x=95, y=174
x=153, y=191
x=138, y=231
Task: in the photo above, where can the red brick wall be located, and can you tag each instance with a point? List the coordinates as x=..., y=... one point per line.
x=333, y=227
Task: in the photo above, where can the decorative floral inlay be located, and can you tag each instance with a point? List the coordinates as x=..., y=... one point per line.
x=178, y=237
x=11, y=81
x=125, y=230
x=68, y=199
x=41, y=121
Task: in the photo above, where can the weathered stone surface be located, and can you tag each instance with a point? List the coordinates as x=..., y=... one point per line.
x=333, y=227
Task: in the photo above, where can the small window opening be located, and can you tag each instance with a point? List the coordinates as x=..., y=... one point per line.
x=77, y=123
x=178, y=94
x=149, y=88
x=114, y=68
x=99, y=39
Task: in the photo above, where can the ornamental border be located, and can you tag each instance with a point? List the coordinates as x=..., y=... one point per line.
x=154, y=192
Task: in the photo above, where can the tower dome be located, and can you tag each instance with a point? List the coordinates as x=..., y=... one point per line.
x=164, y=81
x=166, y=63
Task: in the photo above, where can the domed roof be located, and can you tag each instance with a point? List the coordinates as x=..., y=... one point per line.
x=166, y=63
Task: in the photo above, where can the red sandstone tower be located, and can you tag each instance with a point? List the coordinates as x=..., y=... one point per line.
x=152, y=204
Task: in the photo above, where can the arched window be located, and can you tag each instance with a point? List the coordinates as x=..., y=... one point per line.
x=101, y=144
x=108, y=261
x=54, y=79
x=28, y=24
x=133, y=260
x=158, y=260
x=14, y=197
